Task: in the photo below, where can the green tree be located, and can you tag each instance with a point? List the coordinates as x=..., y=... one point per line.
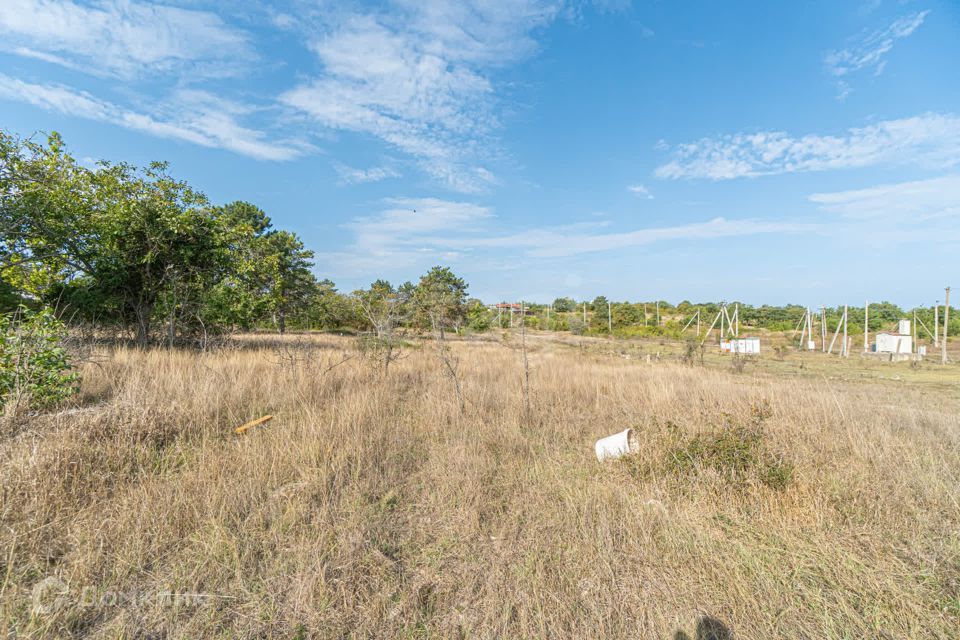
x=441, y=299
x=290, y=283
x=478, y=315
x=115, y=236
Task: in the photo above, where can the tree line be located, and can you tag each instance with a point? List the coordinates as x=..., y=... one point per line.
x=139, y=252
x=143, y=253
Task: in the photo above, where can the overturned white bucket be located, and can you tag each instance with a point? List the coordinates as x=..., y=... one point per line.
x=613, y=446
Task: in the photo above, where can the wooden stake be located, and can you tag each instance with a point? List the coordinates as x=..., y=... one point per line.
x=253, y=423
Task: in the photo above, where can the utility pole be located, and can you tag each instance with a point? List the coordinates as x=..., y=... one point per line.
x=846, y=346
x=866, y=326
x=609, y=319
x=823, y=328
x=698, y=323
x=936, y=324
x=946, y=327
x=511, y=315
x=722, y=334
x=549, y=309
x=913, y=346
x=584, y=314
x=500, y=315
x=658, y=313
x=736, y=315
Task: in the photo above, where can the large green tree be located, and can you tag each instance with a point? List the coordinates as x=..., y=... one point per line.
x=114, y=236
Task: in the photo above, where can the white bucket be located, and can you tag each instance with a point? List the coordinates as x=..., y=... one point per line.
x=613, y=446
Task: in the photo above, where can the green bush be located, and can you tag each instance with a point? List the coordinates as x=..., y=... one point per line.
x=35, y=368
x=739, y=452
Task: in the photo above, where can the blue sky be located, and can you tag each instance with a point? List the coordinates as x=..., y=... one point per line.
x=766, y=152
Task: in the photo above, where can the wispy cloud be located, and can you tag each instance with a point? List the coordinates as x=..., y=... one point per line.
x=398, y=237
x=122, y=37
x=930, y=140
x=905, y=202
x=868, y=51
x=551, y=243
x=418, y=78
x=192, y=116
x=641, y=191
x=413, y=232
x=352, y=175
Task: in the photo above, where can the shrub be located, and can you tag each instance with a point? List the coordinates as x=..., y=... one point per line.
x=35, y=369
x=738, y=452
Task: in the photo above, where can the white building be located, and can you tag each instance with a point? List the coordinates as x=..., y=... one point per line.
x=893, y=343
x=741, y=345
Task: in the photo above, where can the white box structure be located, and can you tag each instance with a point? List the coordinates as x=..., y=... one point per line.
x=893, y=343
x=741, y=345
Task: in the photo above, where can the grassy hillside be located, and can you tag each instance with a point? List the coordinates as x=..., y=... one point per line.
x=797, y=498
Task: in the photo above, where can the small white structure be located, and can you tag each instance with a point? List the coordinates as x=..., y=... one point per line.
x=893, y=343
x=904, y=328
x=741, y=345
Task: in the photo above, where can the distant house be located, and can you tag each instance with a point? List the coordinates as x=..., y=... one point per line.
x=507, y=307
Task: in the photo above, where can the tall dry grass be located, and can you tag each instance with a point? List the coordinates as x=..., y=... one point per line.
x=369, y=507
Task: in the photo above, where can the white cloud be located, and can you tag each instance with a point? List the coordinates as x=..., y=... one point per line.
x=641, y=191
x=352, y=175
x=193, y=116
x=904, y=202
x=414, y=232
x=930, y=140
x=418, y=79
x=399, y=236
x=870, y=49
x=562, y=242
x=122, y=37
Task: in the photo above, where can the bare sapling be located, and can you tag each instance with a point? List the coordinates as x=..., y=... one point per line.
x=385, y=309
x=526, y=362
x=449, y=362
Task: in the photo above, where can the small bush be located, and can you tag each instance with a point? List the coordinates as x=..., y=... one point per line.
x=738, y=364
x=35, y=368
x=738, y=452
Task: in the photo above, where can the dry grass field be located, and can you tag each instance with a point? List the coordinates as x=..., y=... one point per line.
x=802, y=498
